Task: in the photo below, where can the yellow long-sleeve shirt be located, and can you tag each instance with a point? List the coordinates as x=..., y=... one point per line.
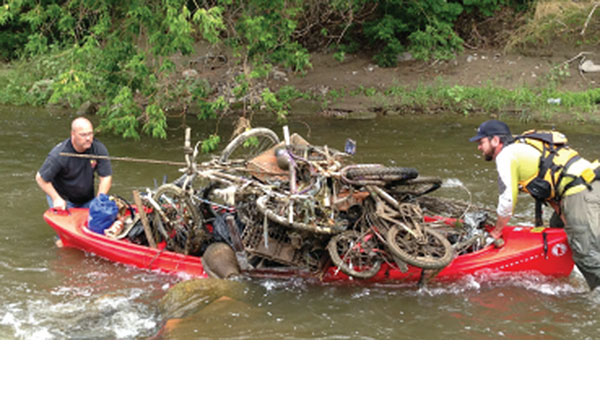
x=519, y=162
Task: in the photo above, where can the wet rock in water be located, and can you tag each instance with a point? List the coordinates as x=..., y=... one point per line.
x=191, y=296
x=362, y=115
x=213, y=321
x=303, y=106
x=350, y=114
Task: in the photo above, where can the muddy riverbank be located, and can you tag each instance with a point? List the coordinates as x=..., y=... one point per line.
x=357, y=88
x=475, y=68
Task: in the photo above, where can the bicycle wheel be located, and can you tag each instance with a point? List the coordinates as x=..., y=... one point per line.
x=248, y=145
x=409, y=189
x=433, y=252
x=376, y=172
x=307, y=217
x=179, y=218
x=355, y=254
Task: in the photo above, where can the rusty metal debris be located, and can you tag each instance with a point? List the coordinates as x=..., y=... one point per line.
x=291, y=204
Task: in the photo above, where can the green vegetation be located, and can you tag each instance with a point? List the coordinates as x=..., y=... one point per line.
x=121, y=57
x=440, y=96
x=557, y=21
x=132, y=60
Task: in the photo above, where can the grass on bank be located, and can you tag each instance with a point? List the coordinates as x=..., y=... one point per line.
x=525, y=102
x=33, y=82
x=573, y=23
x=29, y=85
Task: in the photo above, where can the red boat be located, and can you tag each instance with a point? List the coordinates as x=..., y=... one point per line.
x=526, y=250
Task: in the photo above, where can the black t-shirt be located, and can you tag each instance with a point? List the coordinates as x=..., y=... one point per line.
x=73, y=177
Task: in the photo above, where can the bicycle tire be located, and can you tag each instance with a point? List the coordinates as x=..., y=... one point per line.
x=183, y=218
x=434, y=255
x=266, y=137
x=261, y=204
x=416, y=187
x=379, y=172
x=368, y=265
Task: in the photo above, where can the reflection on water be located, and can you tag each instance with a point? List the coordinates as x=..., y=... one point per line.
x=48, y=293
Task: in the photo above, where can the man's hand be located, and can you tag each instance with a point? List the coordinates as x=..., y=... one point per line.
x=501, y=222
x=59, y=203
x=496, y=234
x=104, y=184
x=498, y=243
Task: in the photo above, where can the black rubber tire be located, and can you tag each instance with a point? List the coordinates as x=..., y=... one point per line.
x=368, y=265
x=377, y=172
x=412, y=188
x=266, y=139
x=219, y=261
x=436, y=255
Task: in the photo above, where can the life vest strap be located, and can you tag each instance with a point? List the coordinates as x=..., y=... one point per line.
x=576, y=182
x=549, y=144
x=564, y=174
x=539, y=221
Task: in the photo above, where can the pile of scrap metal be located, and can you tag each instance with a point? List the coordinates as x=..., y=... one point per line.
x=290, y=204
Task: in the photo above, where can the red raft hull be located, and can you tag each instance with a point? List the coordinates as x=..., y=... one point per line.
x=71, y=228
x=525, y=251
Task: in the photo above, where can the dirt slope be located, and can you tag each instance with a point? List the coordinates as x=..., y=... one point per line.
x=472, y=68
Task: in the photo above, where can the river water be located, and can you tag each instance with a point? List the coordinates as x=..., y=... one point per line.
x=50, y=293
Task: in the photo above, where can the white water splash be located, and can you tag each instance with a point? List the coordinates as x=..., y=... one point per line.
x=363, y=293
x=24, y=328
x=530, y=281
x=79, y=316
x=127, y=324
x=452, y=183
x=76, y=291
x=271, y=285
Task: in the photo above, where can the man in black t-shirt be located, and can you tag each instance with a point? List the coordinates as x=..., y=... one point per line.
x=69, y=181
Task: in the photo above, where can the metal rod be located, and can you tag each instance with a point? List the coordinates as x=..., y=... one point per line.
x=292, y=168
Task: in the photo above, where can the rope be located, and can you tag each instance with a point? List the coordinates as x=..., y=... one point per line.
x=164, y=162
x=141, y=160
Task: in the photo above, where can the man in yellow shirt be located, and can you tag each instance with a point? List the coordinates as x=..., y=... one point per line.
x=571, y=188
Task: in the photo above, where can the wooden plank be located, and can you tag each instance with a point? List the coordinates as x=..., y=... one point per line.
x=143, y=218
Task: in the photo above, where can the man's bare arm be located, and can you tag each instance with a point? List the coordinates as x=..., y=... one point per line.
x=48, y=188
x=105, y=184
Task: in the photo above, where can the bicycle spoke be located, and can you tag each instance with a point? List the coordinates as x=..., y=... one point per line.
x=178, y=217
x=355, y=254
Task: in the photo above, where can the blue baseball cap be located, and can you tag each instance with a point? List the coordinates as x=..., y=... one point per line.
x=491, y=128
